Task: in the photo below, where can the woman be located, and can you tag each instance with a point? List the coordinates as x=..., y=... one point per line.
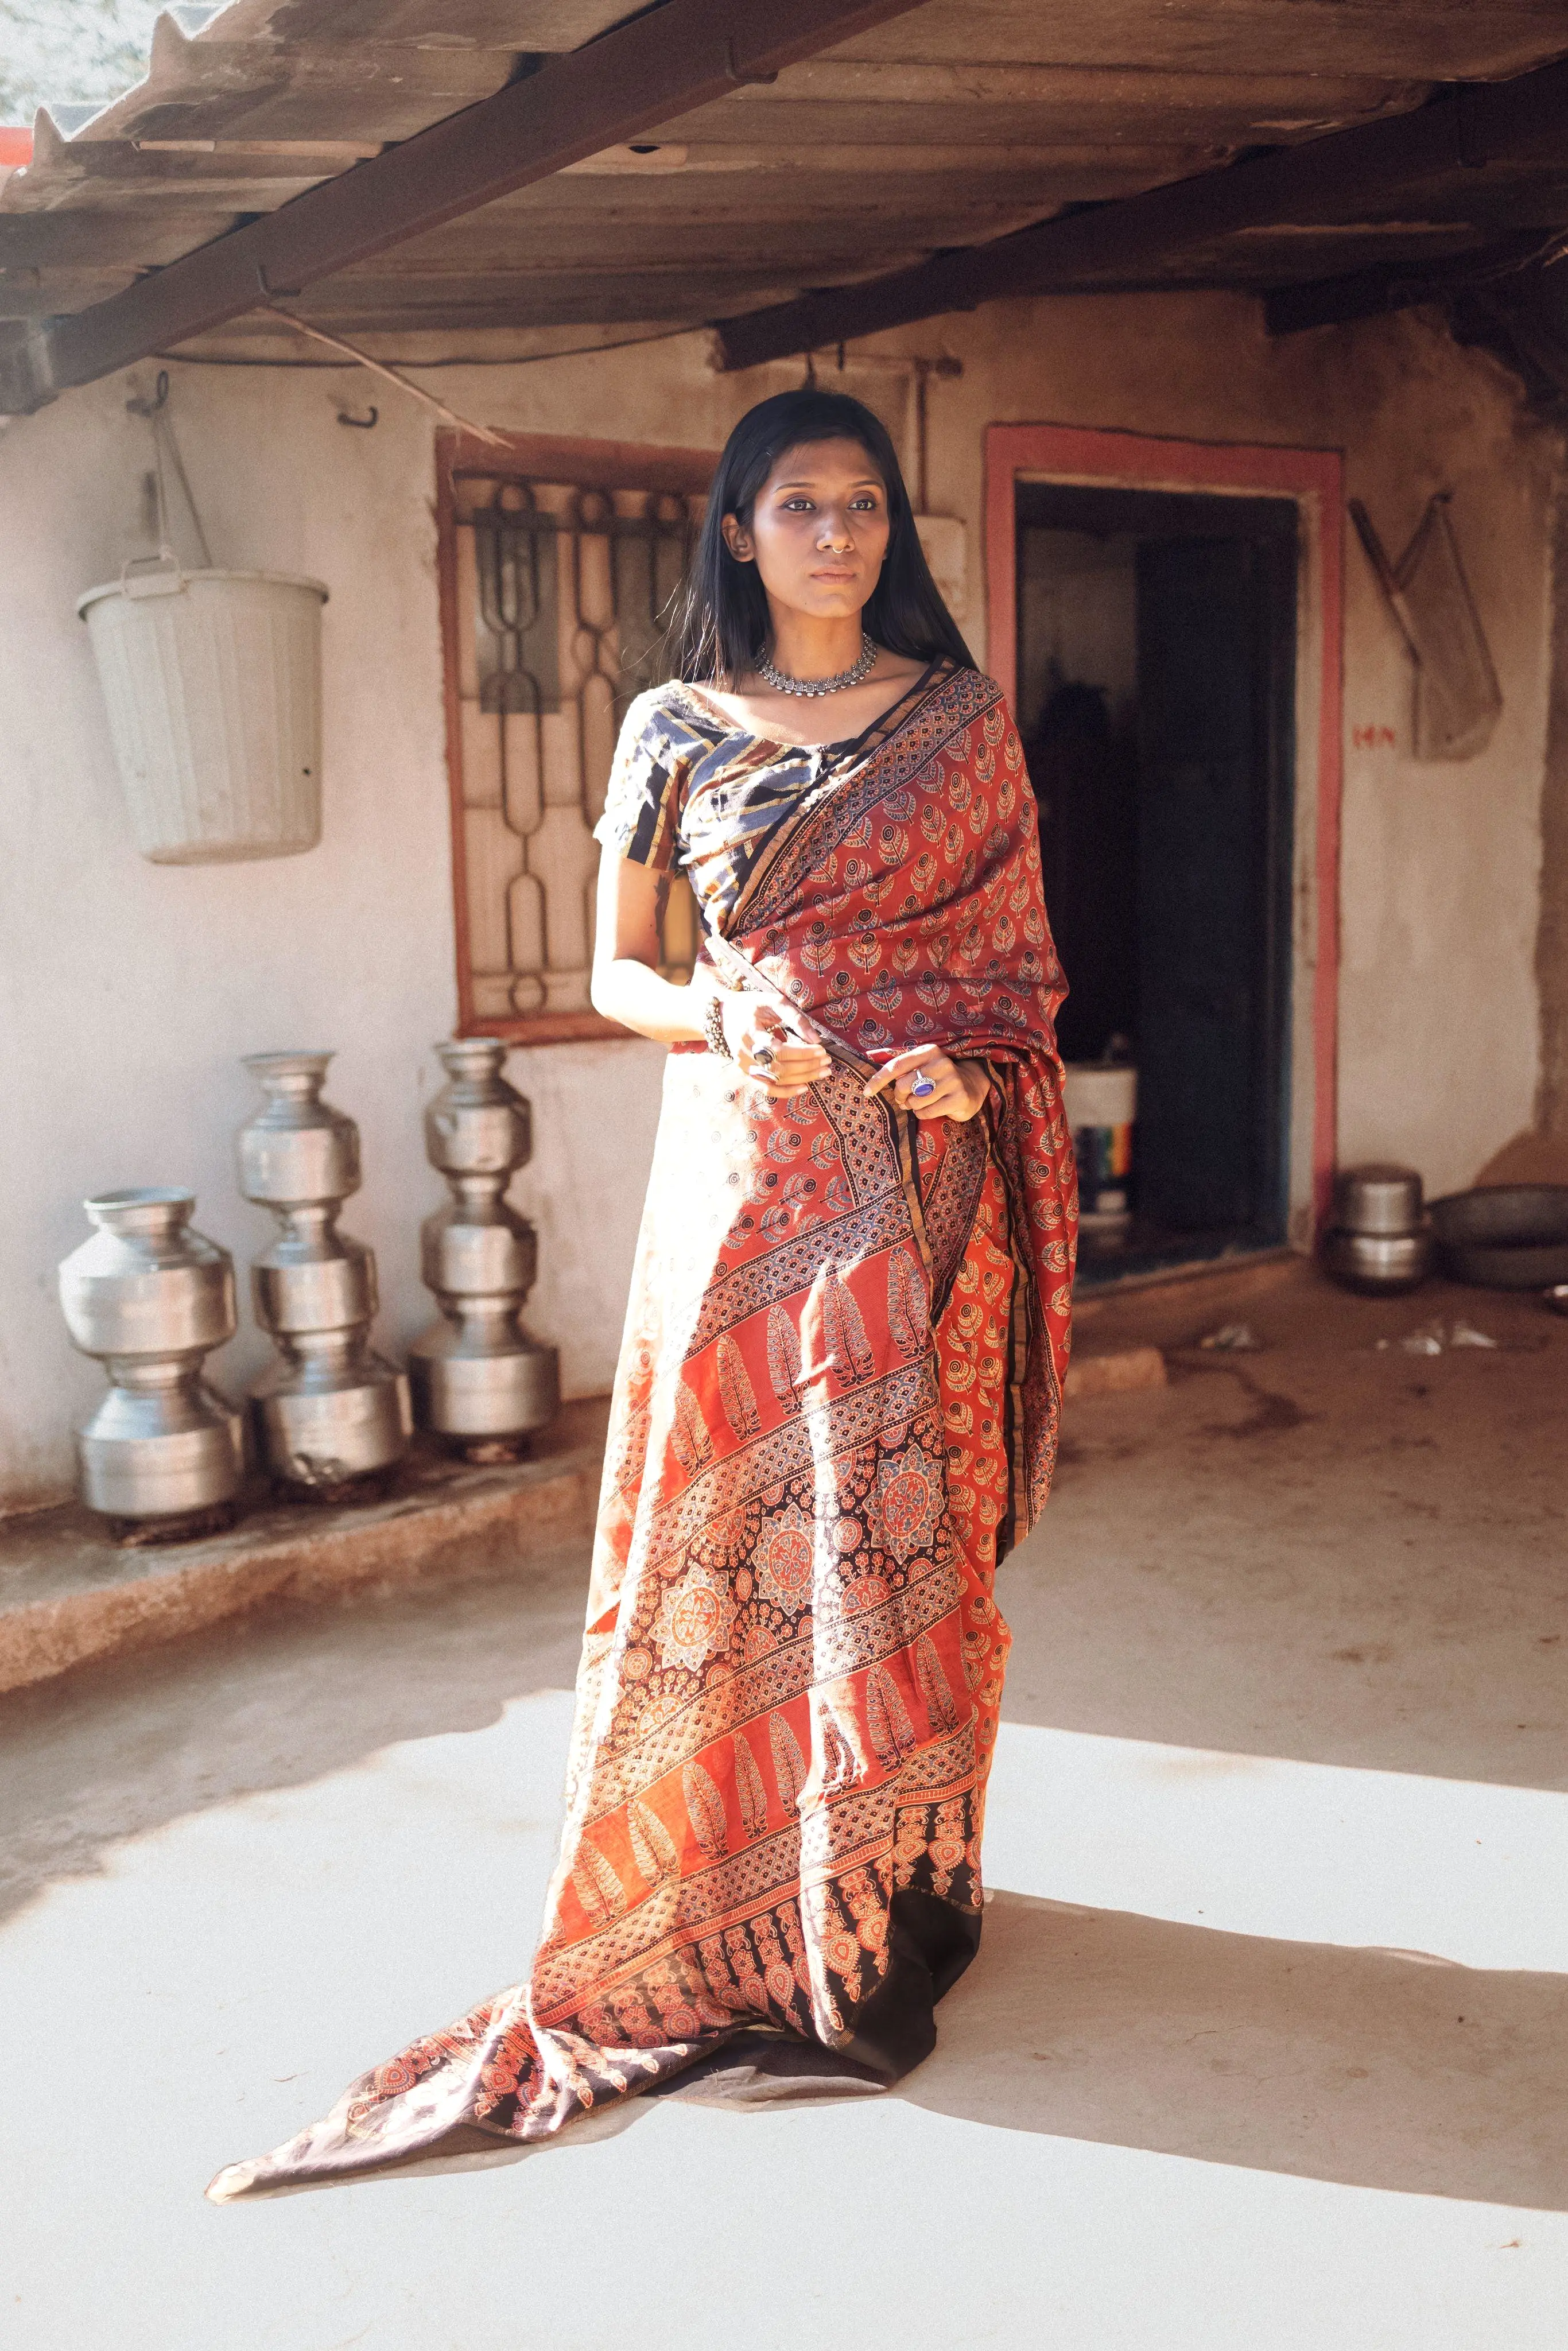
x=837, y=1400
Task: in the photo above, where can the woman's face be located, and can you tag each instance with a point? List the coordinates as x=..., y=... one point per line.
x=819, y=529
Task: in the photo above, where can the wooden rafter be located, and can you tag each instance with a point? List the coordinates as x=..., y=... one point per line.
x=1342, y=176
x=672, y=58
x=1372, y=293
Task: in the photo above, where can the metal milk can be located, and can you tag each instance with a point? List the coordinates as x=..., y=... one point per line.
x=150, y=1297
x=331, y=1415
x=479, y=1379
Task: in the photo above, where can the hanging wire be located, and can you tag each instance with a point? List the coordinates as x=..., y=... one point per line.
x=377, y=367
x=449, y=359
x=164, y=445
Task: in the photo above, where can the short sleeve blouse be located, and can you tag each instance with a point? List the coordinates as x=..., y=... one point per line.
x=692, y=793
x=642, y=804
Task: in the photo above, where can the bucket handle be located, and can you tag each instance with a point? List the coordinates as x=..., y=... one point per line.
x=153, y=583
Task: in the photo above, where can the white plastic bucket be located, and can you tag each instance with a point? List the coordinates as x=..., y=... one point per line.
x=214, y=686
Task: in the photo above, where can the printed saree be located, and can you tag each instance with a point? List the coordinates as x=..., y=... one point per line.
x=836, y=1408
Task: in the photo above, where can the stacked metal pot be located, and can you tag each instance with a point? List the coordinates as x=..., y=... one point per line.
x=1381, y=1239
x=480, y=1382
x=331, y=1415
x=165, y=1456
x=151, y=1300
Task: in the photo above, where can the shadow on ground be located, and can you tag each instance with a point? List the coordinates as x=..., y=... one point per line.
x=1365, y=2068
x=270, y=1701
x=1378, y=2069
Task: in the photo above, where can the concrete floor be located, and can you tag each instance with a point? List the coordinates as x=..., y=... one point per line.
x=1265, y=2050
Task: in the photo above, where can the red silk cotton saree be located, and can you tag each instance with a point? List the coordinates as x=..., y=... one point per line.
x=836, y=1408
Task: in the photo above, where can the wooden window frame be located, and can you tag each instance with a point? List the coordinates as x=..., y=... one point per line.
x=1314, y=478
x=528, y=457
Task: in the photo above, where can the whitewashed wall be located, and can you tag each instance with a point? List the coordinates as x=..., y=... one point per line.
x=128, y=991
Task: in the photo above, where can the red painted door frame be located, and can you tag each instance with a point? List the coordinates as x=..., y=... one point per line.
x=1314, y=478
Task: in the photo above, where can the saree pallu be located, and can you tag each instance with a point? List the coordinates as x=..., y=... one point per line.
x=836, y=1408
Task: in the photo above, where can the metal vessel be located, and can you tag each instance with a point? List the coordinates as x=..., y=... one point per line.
x=1379, y=1197
x=1381, y=1239
x=1505, y=1236
x=331, y=1418
x=479, y=1379
x=150, y=1299
x=1379, y=1261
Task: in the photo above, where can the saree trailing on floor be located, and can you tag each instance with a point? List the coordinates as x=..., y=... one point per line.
x=836, y=1407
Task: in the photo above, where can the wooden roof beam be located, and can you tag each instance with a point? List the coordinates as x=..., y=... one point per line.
x=1357, y=293
x=666, y=62
x=1337, y=177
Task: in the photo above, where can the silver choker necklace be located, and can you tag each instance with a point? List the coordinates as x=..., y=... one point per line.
x=856, y=674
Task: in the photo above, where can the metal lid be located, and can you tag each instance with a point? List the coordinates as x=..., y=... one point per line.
x=1377, y=1197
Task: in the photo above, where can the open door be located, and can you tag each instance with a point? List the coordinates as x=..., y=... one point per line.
x=1213, y=618
x=1156, y=633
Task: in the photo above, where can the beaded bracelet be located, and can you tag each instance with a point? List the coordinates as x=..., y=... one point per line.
x=713, y=1028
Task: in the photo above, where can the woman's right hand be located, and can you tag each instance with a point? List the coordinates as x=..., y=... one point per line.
x=775, y=1048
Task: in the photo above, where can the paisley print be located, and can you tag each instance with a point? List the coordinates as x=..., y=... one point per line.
x=836, y=1409
x=749, y=1789
x=908, y=1314
x=653, y=1847
x=789, y=1764
x=843, y=1330
x=599, y=1889
x=887, y=1719
x=706, y=1807
x=783, y=1358
x=735, y=1389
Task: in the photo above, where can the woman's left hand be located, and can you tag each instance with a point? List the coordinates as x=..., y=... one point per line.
x=956, y=1089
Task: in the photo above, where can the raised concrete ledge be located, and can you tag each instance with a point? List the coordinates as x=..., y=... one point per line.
x=67, y=1595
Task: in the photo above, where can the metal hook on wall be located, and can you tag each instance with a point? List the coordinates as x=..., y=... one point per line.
x=359, y=423
x=158, y=401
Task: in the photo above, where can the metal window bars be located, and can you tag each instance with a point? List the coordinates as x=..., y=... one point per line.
x=561, y=591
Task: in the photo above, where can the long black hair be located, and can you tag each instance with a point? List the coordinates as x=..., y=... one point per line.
x=721, y=618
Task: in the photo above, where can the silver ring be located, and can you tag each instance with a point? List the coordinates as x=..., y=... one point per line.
x=922, y=1086
x=763, y=1057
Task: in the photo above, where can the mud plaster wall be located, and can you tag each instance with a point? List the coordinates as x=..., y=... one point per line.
x=1439, y=1011
x=130, y=990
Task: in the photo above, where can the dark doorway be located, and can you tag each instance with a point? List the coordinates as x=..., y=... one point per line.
x=1156, y=640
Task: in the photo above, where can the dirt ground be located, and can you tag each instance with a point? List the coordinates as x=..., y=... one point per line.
x=1265, y=2048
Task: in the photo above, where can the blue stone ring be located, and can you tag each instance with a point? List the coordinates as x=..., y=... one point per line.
x=922, y=1086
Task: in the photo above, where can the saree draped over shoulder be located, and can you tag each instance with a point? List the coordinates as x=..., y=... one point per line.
x=835, y=1410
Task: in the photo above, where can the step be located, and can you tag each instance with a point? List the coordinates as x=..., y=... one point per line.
x=70, y=1593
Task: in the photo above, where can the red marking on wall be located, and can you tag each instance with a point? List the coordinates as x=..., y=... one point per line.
x=1315, y=479
x=1373, y=739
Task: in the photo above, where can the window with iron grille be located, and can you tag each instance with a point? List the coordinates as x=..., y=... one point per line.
x=558, y=561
